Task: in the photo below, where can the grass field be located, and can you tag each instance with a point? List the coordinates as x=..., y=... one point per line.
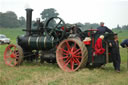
x=49, y=74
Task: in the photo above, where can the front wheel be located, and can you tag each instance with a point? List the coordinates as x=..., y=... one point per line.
x=13, y=55
x=71, y=55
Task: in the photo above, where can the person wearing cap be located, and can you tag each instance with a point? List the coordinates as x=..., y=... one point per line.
x=115, y=52
x=124, y=43
x=102, y=29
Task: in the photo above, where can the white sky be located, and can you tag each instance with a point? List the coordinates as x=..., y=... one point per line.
x=112, y=12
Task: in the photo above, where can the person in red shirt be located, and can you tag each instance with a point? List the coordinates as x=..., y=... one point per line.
x=98, y=46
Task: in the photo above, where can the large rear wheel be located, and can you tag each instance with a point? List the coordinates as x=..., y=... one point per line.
x=71, y=54
x=13, y=55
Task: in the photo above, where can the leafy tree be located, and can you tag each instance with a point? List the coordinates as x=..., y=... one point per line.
x=118, y=27
x=22, y=21
x=94, y=25
x=8, y=19
x=48, y=13
x=125, y=27
x=87, y=26
x=1, y=17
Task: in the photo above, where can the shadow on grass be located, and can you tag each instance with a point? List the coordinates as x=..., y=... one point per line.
x=109, y=68
x=38, y=64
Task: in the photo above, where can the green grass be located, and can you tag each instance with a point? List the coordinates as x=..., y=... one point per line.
x=49, y=74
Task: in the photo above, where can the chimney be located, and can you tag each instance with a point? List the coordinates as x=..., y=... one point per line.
x=28, y=21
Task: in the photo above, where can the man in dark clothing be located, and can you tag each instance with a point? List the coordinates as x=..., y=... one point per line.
x=102, y=29
x=114, y=44
x=124, y=43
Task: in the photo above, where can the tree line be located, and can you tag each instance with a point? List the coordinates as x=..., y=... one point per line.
x=124, y=27
x=9, y=19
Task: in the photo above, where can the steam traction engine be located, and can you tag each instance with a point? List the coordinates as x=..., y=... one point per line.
x=54, y=41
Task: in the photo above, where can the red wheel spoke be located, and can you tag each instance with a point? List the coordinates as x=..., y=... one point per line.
x=15, y=49
x=10, y=50
x=16, y=54
x=64, y=50
x=65, y=53
x=76, y=56
x=10, y=62
x=75, y=61
x=15, y=62
x=63, y=57
x=7, y=56
x=68, y=46
x=13, y=55
x=66, y=63
x=72, y=64
x=66, y=60
x=74, y=47
x=76, y=51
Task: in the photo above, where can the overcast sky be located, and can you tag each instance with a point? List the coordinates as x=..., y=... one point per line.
x=112, y=12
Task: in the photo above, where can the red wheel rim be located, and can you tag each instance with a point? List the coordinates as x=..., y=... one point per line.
x=11, y=55
x=69, y=55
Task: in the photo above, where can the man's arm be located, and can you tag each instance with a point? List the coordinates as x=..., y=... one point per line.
x=124, y=43
x=108, y=30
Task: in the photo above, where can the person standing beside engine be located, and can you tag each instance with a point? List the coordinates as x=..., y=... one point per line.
x=115, y=52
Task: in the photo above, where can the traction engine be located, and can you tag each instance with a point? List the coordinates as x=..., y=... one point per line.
x=55, y=42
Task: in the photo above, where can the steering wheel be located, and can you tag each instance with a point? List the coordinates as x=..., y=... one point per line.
x=55, y=27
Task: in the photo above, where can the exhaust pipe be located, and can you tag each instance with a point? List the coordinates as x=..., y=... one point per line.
x=28, y=21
